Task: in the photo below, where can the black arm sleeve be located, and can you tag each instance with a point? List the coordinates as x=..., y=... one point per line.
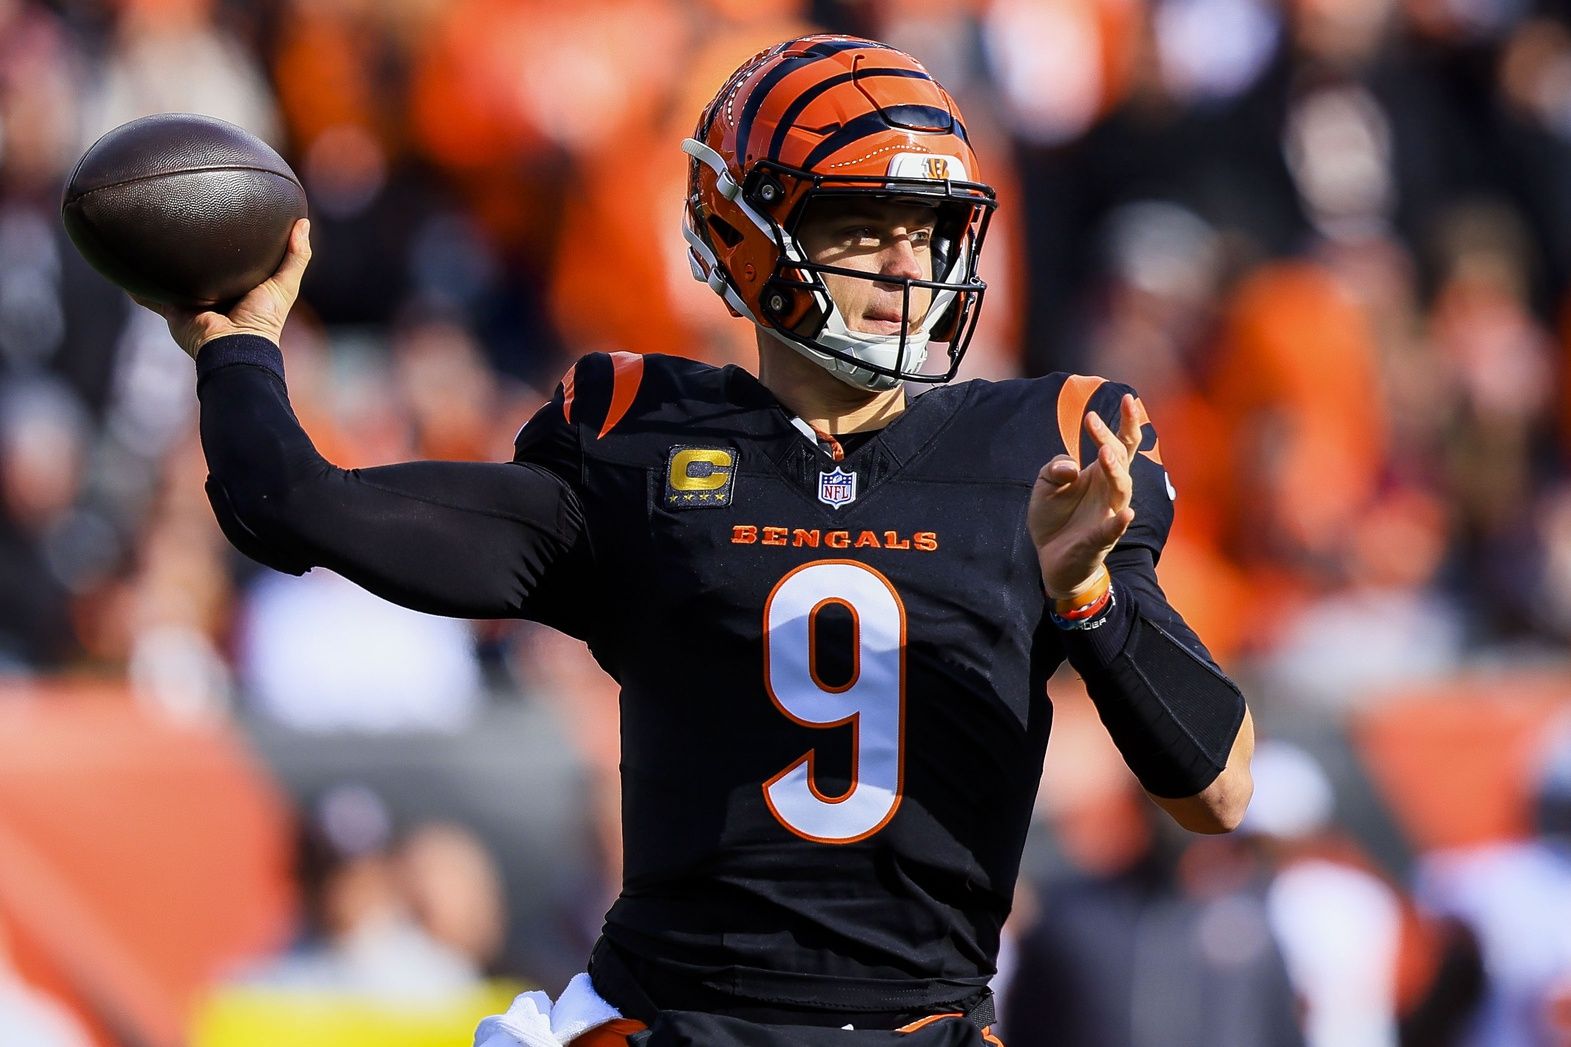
x=1169, y=708
x=473, y=540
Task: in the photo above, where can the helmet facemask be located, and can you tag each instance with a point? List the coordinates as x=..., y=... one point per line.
x=805, y=124
x=801, y=309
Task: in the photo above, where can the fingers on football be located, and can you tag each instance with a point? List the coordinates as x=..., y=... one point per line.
x=292, y=268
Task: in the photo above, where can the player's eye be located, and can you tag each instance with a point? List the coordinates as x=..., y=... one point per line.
x=859, y=236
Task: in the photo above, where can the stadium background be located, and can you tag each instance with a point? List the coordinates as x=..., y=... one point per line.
x=1328, y=240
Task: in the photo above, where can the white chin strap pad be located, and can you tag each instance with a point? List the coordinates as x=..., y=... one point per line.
x=845, y=370
x=880, y=349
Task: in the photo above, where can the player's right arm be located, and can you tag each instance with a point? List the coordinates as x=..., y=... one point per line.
x=474, y=540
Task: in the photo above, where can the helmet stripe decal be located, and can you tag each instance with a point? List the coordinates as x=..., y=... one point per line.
x=755, y=97
x=788, y=120
x=879, y=120
x=825, y=48
x=707, y=119
x=786, y=66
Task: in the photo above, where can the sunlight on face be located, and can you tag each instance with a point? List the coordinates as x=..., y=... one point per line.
x=881, y=237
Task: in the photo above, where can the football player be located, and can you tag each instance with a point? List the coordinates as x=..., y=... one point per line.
x=832, y=606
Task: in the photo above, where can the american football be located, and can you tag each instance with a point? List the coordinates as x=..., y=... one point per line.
x=183, y=209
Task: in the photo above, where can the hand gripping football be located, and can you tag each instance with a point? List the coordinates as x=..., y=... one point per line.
x=184, y=209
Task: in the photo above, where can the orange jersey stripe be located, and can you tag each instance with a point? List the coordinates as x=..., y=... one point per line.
x=1072, y=399
x=567, y=393
x=1143, y=419
x=627, y=373
x=921, y=1023
x=987, y=1034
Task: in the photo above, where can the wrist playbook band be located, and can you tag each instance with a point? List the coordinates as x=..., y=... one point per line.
x=1089, y=609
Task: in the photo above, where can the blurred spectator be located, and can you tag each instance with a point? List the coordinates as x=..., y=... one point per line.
x=172, y=56
x=1517, y=898
x=1367, y=971
x=1167, y=945
x=1550, y=589
x=1296, y=380
x=364, y=932
x=176, y=604
x=451, y=397
x=453, y=889
x=56, y=314
x=1141, y=935
x=46, y=545
x=1388, y=623
x=1498, y=354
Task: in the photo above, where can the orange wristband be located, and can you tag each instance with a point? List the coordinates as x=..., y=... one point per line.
x=1089, y=609
x=1076, y=606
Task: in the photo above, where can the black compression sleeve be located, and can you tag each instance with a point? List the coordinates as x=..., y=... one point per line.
x=474, y=540
x=1170, y=710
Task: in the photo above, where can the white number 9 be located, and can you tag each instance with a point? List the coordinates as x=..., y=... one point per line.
x=872, y=702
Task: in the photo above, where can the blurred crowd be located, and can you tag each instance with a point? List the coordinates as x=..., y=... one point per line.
x=1328, y=240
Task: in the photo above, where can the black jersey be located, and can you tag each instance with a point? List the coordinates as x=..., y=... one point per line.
x=833, y=672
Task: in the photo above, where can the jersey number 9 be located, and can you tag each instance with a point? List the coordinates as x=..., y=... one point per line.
x=871, y=702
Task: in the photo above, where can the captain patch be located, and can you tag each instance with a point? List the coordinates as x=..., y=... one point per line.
x=699, y=477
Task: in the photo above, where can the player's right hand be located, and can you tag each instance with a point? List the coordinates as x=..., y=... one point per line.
x=261, y=312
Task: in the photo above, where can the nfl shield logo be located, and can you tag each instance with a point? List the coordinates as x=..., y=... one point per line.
x=837, y=488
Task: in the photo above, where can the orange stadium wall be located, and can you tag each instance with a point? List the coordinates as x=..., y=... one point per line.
x=140, y=859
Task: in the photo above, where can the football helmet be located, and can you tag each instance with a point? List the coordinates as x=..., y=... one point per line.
x=815, y=119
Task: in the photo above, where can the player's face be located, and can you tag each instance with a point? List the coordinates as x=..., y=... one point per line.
x=880, y=237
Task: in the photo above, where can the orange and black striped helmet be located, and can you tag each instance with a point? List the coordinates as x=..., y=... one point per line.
x=819, y=118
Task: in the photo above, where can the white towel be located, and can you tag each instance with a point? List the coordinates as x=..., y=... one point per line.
x=534, y=1021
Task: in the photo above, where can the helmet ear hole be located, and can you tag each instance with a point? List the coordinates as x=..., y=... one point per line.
x=725, y=231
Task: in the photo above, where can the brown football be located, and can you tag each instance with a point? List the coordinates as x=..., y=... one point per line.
x=183, y=209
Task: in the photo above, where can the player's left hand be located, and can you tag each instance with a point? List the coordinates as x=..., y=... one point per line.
x=1077, y=515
